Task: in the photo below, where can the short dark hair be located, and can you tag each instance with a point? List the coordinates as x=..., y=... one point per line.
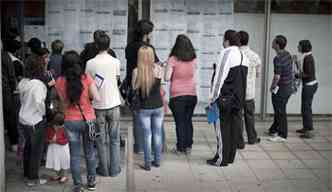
x=305, y=46
x=244, y=38
x=11, y=45
x=143, y=27
x=57, y=46
x=233, y=37
x=281, y=41
x=97, y=34
x=183, y=49
x=35, y=44
x=103, y=42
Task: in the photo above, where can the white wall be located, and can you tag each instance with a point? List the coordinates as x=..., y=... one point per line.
x=316, y=28
x=254, y=25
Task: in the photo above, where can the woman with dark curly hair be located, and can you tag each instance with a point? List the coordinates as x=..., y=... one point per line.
x=32, y=120
x=309, y=87
x=76, y=89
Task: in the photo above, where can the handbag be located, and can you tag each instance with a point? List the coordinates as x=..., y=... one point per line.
x=212, y=112
x=89, y=125
x=135, y=100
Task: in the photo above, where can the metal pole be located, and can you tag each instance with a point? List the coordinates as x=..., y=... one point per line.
x=21, y=23
x=140, y=9
x=130, y=160
x=2, y=134
x=265, y=67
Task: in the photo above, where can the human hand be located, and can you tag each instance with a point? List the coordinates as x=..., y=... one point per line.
x=51, y=83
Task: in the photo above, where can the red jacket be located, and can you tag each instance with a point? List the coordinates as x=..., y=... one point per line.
x=61, y=138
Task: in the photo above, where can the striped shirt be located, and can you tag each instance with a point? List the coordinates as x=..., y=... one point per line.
x=283, y=67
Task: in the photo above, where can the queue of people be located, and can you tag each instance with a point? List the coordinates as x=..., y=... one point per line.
x=76, y=96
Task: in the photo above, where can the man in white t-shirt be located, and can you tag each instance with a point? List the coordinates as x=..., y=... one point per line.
x=253, y=73
x=105, y=69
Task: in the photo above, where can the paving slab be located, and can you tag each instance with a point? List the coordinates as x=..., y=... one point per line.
x=294, y=166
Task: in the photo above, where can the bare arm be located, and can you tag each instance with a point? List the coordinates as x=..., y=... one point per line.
x=93, y=92
x=169, y=72
x=133, y=80
x=275, y=81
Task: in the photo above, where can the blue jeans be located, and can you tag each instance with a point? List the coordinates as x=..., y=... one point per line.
x=74, y=130
x=151, y=121
x=108, y=142
x=138, y=135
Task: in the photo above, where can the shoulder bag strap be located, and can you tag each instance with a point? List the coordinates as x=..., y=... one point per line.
x=81, y=111
x=243, y=79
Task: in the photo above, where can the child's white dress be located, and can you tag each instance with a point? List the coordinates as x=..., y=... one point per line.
x=58, y=157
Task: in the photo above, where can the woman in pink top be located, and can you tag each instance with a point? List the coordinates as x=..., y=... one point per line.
x=75, y=90
x=181, y=72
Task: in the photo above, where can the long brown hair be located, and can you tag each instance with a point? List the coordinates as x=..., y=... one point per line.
x=145, y=74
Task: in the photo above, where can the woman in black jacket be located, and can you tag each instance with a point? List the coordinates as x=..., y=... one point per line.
x=309, y=87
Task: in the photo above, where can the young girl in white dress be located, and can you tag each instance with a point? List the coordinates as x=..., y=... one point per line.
x=58, y=157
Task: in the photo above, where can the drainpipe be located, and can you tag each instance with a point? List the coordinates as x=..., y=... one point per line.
x=265, y=67
x=2, y=134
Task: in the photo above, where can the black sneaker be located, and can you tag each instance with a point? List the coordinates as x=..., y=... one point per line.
x=256, y=141
x=78, y=189
x=92, y=187
x=300, y=131
x=271, y=134
x=155, y=164
x=214, y=163
x=146, y=167
x=240, y=146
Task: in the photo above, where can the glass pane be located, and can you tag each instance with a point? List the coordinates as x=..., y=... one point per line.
x=250, y=16
x=205, y=22
x=306, y=20
x=302, y=6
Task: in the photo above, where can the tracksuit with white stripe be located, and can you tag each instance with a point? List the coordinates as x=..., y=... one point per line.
x=228, y=89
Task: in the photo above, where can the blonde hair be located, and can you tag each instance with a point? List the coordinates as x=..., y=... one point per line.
x=145, y=70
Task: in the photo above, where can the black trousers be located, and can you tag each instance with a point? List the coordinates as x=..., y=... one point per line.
x=182, y=108
x=280, y=125
x=249, y=121
x=10, y=117
x=230, y=127
x=308, y=93
x=33, y=149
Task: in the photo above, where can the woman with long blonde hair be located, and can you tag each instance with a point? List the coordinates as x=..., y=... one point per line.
x=146, y=79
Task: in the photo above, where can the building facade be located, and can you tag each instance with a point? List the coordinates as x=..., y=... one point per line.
x=204, y=21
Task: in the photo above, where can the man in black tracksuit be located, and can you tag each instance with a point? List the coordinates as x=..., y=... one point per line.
x=228, y=90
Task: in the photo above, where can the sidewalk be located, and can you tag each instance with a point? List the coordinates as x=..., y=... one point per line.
x=297, y=165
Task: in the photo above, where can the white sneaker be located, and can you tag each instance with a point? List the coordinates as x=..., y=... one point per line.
x=31, y=183
x=277, y=139
x=14, y=148
x=42, y=181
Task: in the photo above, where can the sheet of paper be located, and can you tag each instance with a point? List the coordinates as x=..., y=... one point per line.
x=99, y=80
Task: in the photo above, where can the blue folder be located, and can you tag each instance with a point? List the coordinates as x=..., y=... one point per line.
x=212, y=112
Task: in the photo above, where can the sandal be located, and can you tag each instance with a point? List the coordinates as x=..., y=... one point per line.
x=63, y=180
x=55, y=178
